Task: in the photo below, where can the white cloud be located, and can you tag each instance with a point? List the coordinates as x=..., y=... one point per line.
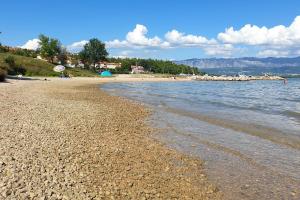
x=175, y=37
x=117, y=44
x=136, y=38
x=253, y=35
x=277, y=41
x=272, y=53
x=124, y=54
x=31, y=44
x=225, y=50
x=278, y=53
x=77, y=46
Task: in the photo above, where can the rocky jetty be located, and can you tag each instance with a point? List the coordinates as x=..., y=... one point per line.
x=235, y=78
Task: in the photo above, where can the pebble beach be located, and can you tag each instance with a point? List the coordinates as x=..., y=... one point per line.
x=67, y=139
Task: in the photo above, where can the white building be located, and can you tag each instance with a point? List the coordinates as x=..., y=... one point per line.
x=137, y=69
x=107, y=65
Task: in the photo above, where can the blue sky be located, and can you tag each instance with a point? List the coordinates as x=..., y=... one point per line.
x=159, y=29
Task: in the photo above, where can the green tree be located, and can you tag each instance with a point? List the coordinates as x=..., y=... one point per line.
x=49, y=47
x=63, y=56
x=93, y=52
x=154, y=66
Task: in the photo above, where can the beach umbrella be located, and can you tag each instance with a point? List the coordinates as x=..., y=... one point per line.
x=59, y=68
x=106, y=73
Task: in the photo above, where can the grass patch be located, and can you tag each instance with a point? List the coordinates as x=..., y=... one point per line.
x=36, y=67
x=80, y=72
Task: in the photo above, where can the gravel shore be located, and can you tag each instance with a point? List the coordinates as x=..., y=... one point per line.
x=67, y=139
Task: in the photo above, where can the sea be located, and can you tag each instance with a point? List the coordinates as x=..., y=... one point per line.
x=247, y=133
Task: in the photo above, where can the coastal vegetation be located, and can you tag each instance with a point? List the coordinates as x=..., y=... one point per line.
x=153, y=66
x=2, y=75
x=14, y=64
x=40, y=62
x=93, y=52
x=49, y=48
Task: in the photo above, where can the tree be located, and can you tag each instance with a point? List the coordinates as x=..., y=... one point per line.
x=49, y=47
x=93, y=52
x=63, y=56
x=83, y=56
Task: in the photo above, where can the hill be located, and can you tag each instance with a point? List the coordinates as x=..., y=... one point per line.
x=247, y=65
x=36, y=67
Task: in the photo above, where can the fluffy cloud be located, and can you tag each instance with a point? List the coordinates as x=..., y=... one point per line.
x=225, y=50
x=77, y=46
x=277, y=41
x=124, y=54
x=273, y=53
x=31, y=44
x=175, y=37
x=136, y=38
x=253, y=35
x=117, y=44
x=279, y=53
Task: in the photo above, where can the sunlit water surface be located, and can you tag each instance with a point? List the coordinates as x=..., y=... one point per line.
x=248, y=133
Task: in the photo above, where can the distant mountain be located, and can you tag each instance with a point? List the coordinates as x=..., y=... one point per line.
x=247, y=65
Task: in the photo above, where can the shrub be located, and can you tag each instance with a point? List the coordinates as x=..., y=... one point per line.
x=3, y=49
x=25, y=52
x=13, y=69
x=10, y=60
x=2, y=75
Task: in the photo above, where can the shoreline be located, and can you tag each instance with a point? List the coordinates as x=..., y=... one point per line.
x=72, y=140
x=152, y=78
x=226, y=144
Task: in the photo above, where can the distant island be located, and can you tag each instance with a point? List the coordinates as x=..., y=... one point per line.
x=246, y=65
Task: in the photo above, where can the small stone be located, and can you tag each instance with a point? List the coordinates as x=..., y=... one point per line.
x=43, y=198
x=2, y=163
x=6, y=193
x=128, y=168
x=244, y=187
x=32, y=195
x=130, y=184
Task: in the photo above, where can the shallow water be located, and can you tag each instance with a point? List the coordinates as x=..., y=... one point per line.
x=248, y=133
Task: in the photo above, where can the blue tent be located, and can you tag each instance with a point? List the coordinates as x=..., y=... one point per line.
x=106, y=73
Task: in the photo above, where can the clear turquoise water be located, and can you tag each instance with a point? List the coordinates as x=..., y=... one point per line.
x=247, y=132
